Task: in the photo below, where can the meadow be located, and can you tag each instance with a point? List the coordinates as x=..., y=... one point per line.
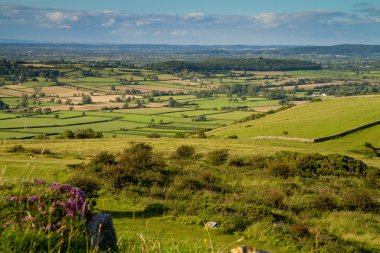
x=278, y=195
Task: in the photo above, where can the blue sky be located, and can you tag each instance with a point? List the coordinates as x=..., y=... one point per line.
x=252, y=22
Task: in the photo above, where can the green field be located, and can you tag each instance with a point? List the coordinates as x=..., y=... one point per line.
x=313, y=120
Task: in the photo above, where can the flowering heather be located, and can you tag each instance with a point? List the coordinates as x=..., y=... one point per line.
x=42, y=206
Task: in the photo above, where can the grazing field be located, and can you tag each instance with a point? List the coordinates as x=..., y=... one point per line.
x=313, y=120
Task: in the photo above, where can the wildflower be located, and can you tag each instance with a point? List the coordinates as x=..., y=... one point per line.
x=33, y=199
x=6, y=224
x=13, y=198
x=55, y=186
x=39, y=181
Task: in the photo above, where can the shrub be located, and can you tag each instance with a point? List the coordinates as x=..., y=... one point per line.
x=280, y=169
x=232, y=137
x=155, y=209
x=324, y=201
x=88, y=185
x=238, y=162
x=153, y=135
x=358, y=200
x=200, y=181
x=218, y=157
x=180, y=135
x=103, y=158
x=184, y=152
x=139, y=155
x=298, y=231
x=202, y=135
x=17, y=149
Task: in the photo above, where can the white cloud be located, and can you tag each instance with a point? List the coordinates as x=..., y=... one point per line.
x=267, y=19
x=275, y=27
x=178, y=33
x=194, y=16
x=109, y=23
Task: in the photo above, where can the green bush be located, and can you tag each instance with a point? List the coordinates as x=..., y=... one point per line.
x=153, y=135
x=280, y=169
x=180, y=135
x=358, y=199
x=17, y=149
x=88, y=185
x=218, y=157
x=184, y=152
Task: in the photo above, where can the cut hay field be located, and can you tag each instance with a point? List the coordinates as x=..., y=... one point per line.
x=313, y=120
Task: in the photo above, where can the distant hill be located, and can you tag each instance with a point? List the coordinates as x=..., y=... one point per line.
x=345, y=50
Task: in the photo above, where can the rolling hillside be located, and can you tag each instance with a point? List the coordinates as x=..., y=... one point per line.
x=314, y=120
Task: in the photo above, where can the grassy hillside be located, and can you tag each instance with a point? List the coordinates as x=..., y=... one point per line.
x=312, y=120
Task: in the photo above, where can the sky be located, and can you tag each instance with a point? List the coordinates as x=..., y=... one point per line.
x=202, y=22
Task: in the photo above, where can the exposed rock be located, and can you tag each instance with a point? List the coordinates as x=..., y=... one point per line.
x=212, y=224
x=102, y=233
x=246, y=249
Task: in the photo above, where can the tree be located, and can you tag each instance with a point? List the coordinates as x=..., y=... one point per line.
x=23, y=102
x=86, y=99
x=3, y=105
x=46, y=110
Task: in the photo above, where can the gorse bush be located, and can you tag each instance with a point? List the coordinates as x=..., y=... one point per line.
x=218, y=157
x=17, y=149
x=37, y=216
x=184, y=152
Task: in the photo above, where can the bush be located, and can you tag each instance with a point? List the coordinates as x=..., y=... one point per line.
x=239, y=162
x=88, y=185
x=232, y=137
x=17, y=149
x=280, y=169
x=103, y=158
x=202, y=135
x=200, y=181
x=155, y=209
x=153, y=135
x=139, y=155
x=298, y=231
x=360, y=200
x=218, y=157
x=324, y=201
x=184, y=152
x=180, y=135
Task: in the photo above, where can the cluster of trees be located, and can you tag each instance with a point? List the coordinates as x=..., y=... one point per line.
x=221, y=65
x=90, y=73
x=86, y=133
x=347, y=89
x=18, y=73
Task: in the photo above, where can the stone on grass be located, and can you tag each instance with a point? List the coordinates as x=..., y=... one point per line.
x=102, y=233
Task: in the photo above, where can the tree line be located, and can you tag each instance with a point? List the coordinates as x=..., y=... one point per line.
x=221, y=65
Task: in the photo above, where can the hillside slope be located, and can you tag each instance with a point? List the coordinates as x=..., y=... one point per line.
x=314, y=120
